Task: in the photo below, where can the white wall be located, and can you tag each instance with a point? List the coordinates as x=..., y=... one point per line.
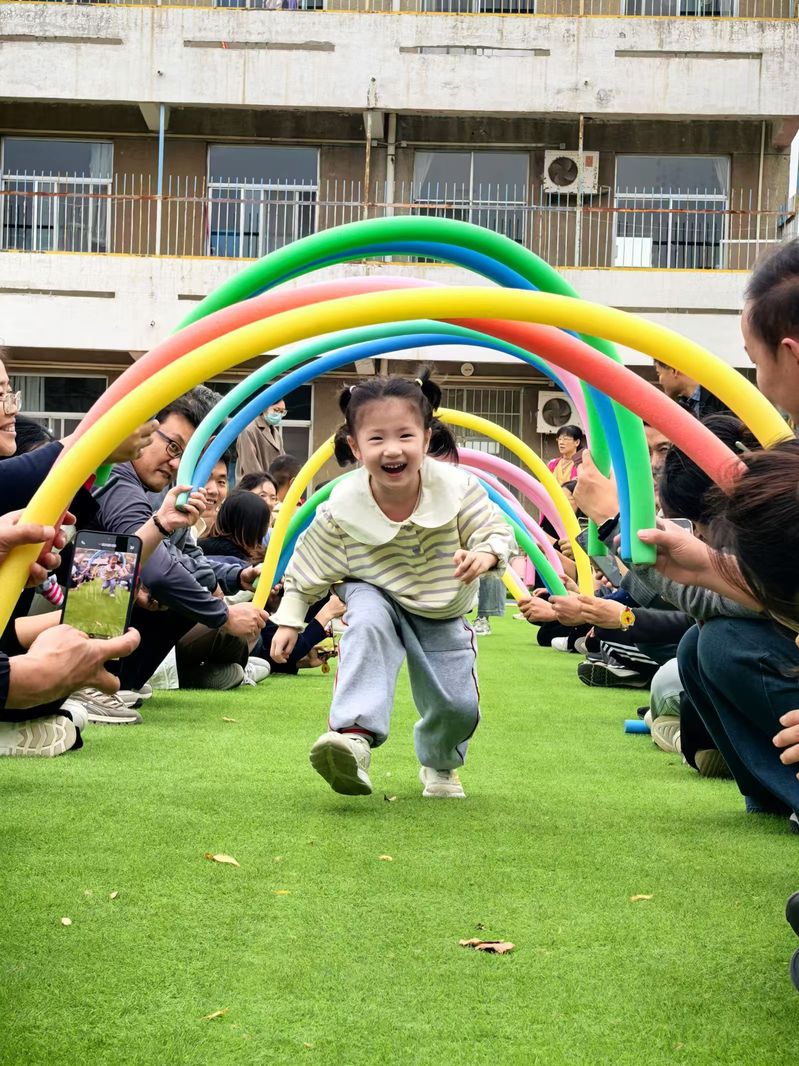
x=120, y=303
x=699, y=67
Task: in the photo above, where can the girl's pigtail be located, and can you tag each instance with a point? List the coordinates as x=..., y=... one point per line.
x=341, y=448
x=430, y=390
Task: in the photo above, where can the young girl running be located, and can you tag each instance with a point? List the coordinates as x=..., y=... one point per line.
x=403, y=540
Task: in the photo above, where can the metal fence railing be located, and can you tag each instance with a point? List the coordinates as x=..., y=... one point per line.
x=642, y=228
x=767, y=9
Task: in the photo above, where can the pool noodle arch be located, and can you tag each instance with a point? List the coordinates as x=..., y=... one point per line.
x=212, y=358
x=243, y=390
x=487, y=253
x=698, y=442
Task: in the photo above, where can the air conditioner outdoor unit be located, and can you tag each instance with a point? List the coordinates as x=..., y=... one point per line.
x=562, y=172
x=555, y=409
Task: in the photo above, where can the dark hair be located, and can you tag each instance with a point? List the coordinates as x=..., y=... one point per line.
x=244, y=519
x=185, y=406
x=30, y=435
x=422, y=393
x=442, y=442
x=572, y=431
x=204, y=398
x=759, y=526
x=283, y=469
x=773, y=295
x=250, y=482
x=684, y=489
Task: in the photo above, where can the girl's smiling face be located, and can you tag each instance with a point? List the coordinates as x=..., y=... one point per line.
x=391, y=442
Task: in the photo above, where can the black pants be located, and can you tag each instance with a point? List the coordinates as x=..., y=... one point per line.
x=160, y=631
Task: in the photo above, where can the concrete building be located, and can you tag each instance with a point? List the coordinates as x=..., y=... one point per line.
x=640, y=146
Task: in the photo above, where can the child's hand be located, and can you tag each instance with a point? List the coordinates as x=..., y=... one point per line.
x=283, y=643
x=470, y=565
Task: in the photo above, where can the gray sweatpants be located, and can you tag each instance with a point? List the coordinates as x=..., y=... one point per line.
x=441, y=664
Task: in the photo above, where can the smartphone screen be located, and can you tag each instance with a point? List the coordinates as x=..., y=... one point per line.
x=102, y=583
x=684, y=523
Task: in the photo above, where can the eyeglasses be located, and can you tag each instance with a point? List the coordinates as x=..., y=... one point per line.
x=12, y=403
x=173, y=449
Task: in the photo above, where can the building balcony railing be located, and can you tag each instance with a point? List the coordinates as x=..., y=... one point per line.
x=688, y=229
x=713, y=9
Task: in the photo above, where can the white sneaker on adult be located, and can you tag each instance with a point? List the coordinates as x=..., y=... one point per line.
x=256, y=671
x=441, y=784
x=44, y=737
x=77, y=712
x=343, y=759
x=134, y=697
x=560, y=643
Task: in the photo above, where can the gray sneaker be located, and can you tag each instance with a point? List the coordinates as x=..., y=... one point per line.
x=342, y=759
x=218, y=676
x=104, y=709
x=45, y=737
x=135, y=697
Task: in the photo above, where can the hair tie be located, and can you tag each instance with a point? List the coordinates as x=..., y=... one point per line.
x=353, y=388
x=419, y=382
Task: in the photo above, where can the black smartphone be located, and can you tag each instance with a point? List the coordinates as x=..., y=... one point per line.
x=606, y=565
x=102, y=583
x=684, y=523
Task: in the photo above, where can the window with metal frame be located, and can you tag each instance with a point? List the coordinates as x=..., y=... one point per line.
x=671, y=211
x=486, y=188
x=55, y=195
x=497, y=404
x=261, y=198
x=58, y=402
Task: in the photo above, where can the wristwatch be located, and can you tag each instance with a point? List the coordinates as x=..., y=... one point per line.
x=626, y=618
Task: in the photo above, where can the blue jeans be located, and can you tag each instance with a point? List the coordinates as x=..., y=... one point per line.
x=491, y=597
x=737, y=674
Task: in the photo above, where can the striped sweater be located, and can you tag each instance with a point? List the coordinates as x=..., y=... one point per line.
x=351, y=538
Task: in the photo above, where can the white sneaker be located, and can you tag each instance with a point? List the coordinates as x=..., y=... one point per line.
x=77, y=712
x=41, y=736
x=560, y=643
x=343, y=759
x=441, y=784
x=256, y=671
x=482, y=627
x=518, y=617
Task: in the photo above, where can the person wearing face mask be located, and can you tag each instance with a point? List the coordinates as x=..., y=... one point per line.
x=262, y=441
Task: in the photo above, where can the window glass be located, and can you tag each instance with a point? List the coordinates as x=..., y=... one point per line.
x=670, y=173
x=268, y=165
x=40, y=155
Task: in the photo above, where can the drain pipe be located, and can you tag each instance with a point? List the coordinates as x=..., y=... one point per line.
x=159, y=204
x=760, y=181
x=391, y=163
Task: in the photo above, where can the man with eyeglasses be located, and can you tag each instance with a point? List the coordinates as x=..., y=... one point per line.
x=177, y=593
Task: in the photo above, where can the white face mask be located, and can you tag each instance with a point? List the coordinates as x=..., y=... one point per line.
x=274, y=418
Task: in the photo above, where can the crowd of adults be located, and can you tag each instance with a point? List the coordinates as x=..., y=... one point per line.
x=710, y=631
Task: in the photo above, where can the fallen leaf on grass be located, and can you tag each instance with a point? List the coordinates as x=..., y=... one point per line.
x=216, y=1014
x=230, y=719
x=278, y=858
x=638, y=899
x=307, y=1045
x=389, y=799
x=281, y=892
x=66, y=921
x=227, y=859
x=493, y=947
x=113, y=895
x=385, y=858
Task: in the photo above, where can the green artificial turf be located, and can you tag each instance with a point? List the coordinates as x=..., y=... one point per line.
x=321, y=952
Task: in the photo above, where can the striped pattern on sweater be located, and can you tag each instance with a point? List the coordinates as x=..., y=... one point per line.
x=415, y=568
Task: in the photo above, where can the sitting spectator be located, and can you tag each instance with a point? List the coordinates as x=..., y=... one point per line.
x=283, y=472
x=241, y=525
x=216, y=490
x=261, y=484
x=180, y=590
x=35, y=682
